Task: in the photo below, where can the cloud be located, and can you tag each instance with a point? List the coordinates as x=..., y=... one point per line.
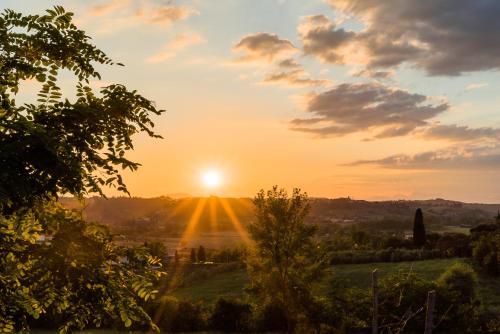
x=296, y=77
x=373, y=107
x=164, y=15
x=455, y=132
x=472, y=157
x=289, y=63
x=108, y=7
x=373, y=74
x=179, y=43
x=321, y=38
x=263, y=46
x=474, y=86
x=122, y=14
x=442, y=37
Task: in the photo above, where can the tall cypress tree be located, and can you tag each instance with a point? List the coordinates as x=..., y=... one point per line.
x=202, y=256
x=193, y=255
x=419, y=229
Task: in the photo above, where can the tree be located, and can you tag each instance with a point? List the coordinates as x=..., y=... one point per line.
x=56, y=146
x=156, y=249
x=176, y=258
x=287, y=260
x=231, y=316
x=419, y=229
x=193, y=255
x=202, y=256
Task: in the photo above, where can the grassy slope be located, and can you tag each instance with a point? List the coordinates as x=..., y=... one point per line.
x=232, y=284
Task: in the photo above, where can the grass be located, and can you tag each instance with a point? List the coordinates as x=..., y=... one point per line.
x=231, y=284
x=228, y=284
x=359, y=275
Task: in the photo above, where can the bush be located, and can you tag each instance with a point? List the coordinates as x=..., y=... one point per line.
x=163, y=311
x=459, y=281
x=403, y=296
x=457, y=293
x=230, y=316
x=173, y=315
x=481, y=249
x=491, y=264
x=271, y=318
x=190, y=317
x=385, y=255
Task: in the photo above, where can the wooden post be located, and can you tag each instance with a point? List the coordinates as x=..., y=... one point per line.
x=375, y=302
x=429, y=317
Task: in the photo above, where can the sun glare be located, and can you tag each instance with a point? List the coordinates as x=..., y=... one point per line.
x=211, y=178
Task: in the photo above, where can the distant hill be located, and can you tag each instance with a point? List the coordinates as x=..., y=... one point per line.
x=219, y=214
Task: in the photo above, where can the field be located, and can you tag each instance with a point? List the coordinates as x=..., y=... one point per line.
x=231, y=284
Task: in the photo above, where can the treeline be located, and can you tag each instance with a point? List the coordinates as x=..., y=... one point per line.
x=486, y=247
x=354, y=245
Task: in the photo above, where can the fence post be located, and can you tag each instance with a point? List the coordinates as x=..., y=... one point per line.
x=375, y=301
x=429, y=317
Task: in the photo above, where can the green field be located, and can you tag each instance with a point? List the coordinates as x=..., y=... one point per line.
x=231, y=284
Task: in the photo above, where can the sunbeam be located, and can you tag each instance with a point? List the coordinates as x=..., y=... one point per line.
x=235, y=221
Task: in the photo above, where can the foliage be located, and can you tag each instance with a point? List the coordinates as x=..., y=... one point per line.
x=193, y=255
x=57, y=146
x=231, y=316
x=461, y=281
x=18, y=301
x=419, y=229
x=287, y=260
x=384, y=255
x=156, y=249
x=226, y=255
x=172, y=315
x=75, y=277
x=202, y=255
x=457, y=287
x=486, y=252
x=271, y=317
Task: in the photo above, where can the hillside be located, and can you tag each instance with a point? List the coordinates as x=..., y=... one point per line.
x=215, y=214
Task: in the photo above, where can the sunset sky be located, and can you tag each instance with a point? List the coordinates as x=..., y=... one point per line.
x=362, y=98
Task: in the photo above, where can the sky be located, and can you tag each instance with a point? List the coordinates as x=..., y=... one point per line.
x=363, y=98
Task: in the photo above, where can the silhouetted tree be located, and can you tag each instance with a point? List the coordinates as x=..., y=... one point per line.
x=202, y=256
x=288, y=260
x=419, y=229
x=156, y=249
x=193, y=255
x=491, y=264
x=176, y=258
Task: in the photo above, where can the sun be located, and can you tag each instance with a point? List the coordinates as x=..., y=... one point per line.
x=211, y=178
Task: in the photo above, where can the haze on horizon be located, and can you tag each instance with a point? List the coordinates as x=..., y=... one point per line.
x=368, y=99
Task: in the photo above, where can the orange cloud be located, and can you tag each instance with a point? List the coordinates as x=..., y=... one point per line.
x=109, y=7
x=170, y=50
x=263, y=46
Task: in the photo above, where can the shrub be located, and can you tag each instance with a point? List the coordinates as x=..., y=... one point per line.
x=173, y=315
x=190, y=317
x=403, y=296
x=457, y=294
x=459, y=281
x=163, y=311
x=230, y=316
x=481, y=249
x=491, y=264
x=271, y=317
